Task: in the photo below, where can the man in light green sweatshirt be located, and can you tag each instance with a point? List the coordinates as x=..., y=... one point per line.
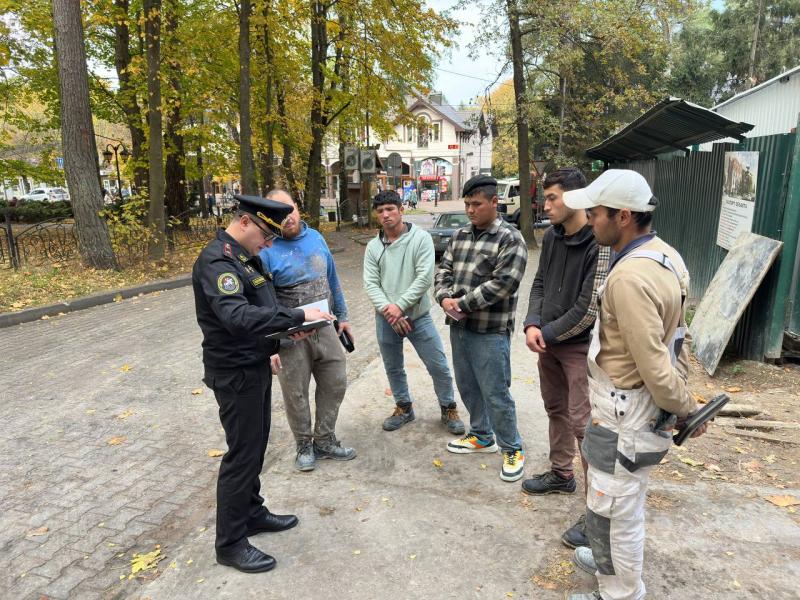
x=398, y=273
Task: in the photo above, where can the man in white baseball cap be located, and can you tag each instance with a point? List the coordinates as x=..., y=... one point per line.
x=638, y=365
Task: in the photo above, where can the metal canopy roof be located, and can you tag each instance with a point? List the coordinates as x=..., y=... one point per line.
x=672, y=124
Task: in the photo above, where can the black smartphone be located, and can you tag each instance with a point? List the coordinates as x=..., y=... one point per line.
x=346, y=340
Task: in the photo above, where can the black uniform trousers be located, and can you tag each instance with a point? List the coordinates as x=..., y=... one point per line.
x=244, y=397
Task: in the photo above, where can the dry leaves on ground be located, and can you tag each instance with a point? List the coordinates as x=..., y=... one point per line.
x=38, y=531
x=782, y=501
x=117, y=440
x=213, y=453
x=145, y=562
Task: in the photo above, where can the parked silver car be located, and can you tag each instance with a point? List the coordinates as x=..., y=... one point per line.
x=444, y=227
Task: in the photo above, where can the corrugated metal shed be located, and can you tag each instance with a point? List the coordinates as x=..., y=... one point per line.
x=672, y=124
x=773, y=106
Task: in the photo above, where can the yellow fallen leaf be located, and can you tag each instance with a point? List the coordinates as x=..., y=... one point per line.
x=125, y=415
x=412, y=556
x=116, y=441
x=356, y=552
x=483, y=466
x=736, y=584
x=782, y=501
x=38, y=531
x=118, y=298
x=437, y=463
x=197, y=391
x=770, y=459
x=690, y=461
x=510, y=594
x=125, y=368
x=146, y=562
x=91, y=411
x=201, y=580
x=45, y=317
x=190, y=561
x=699, y=398
x=215, y=453
x=173, y=565
x=729, y=553
x=733, y=389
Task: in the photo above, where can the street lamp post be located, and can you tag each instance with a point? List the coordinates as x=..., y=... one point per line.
x=114, y=150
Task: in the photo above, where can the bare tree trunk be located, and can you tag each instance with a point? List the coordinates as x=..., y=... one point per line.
x=319, y=51
x=523, y=154
x=345, y=208
x=268, y=158
x=249, y=185
x=751, y=76
x=127, y=93
x=155, y=216
x=288, y=173
x=77, y=135
x=175, y=195
x=200, y=181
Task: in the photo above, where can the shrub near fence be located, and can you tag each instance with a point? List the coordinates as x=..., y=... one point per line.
x=55, y=241
x=35, y=211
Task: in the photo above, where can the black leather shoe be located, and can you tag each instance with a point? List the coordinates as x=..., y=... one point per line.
x=270, y=522
x=248, y=559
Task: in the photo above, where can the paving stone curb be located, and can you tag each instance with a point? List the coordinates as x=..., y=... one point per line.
x=27, y=315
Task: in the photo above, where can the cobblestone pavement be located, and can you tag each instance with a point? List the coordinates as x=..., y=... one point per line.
x=105, y=444
x=106, y=426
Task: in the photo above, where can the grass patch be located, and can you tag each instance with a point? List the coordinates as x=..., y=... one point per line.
x=36, y=286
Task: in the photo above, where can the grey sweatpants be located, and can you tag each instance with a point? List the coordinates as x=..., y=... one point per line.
x=321, y=355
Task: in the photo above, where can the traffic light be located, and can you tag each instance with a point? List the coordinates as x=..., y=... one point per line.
x=350, y=158
x=369, y=159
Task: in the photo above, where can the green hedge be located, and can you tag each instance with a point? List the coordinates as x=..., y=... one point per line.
x=34, y=211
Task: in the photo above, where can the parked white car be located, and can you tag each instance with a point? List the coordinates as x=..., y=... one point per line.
x=39, y=194
x=47, y=195
x=58, y=195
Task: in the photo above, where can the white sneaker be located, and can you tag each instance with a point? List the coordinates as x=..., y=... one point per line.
x=513, y=465
x=584, y=560
x=470, y=444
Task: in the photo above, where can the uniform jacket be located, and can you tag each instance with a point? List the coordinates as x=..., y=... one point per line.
x=236, y=306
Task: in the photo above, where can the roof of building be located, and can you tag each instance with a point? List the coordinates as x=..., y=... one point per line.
x=759, y=87
x=459, y=118
x=672, y=124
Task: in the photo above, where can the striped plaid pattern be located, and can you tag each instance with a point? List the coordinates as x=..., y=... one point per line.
x=603, y=259
x=484, y=271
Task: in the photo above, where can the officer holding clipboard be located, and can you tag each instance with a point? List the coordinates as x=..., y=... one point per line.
x=236, y=309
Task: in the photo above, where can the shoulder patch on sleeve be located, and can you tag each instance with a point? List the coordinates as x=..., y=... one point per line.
x=228, y=283
x=227, y=250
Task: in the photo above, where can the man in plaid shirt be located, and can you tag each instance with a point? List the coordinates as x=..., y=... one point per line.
x=476, y=285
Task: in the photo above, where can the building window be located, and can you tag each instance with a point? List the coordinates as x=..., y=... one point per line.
x=436, y=132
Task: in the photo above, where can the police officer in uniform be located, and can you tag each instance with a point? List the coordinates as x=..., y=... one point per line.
x=236, y=309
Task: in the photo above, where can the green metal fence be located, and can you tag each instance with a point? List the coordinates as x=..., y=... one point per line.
x=689, y=189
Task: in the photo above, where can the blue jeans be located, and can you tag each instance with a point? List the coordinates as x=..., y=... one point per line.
x=426, y=341
x=482, y=366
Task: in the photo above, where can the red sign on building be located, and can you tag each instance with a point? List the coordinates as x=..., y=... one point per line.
x=452, y=147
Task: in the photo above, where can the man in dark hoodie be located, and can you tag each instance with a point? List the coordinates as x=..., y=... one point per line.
x=561, y=312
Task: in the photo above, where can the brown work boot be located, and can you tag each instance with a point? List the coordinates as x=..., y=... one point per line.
x=451, y=420
x=400, y=416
